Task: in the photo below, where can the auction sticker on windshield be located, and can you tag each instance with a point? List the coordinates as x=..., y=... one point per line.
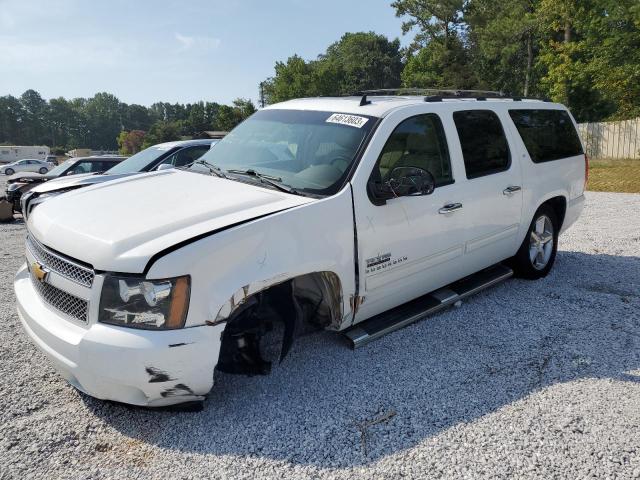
x=344, y=119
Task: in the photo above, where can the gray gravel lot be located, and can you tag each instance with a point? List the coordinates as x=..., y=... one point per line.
x=526, y=380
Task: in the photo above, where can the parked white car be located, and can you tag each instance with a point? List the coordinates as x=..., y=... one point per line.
x=26, y=165
x=357, y=214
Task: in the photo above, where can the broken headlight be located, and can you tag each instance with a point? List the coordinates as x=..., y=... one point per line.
x=149, y=304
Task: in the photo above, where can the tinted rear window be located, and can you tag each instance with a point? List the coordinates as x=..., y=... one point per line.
x=484, y=145
x=547, y=134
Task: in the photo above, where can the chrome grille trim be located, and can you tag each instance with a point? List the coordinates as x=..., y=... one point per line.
x=73, y=271
x=64, y=302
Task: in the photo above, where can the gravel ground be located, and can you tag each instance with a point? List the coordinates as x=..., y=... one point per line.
x=526, y=380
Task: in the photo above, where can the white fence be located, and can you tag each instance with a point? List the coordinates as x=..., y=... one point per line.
x=612, y=139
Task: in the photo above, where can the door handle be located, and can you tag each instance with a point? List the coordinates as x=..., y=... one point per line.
x=450, y=207
x=510, y=190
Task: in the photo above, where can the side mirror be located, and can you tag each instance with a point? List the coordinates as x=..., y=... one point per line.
x=403, y=182
x=165, y=166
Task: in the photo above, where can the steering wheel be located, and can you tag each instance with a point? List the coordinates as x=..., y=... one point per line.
x=342, y=159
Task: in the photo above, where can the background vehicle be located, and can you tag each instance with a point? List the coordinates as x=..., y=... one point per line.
x=358, y=215
x=26, y=165
x=13, y=153
x=20, y=183
x=164, y=155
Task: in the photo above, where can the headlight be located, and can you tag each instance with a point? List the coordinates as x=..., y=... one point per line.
x=12, y=187
x=150, y=304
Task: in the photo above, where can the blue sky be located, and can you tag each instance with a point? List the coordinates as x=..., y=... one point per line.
x=177, y=51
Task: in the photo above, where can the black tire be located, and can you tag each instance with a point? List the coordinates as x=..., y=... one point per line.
x=9, y=171
x=43, y=171
x=524, y=266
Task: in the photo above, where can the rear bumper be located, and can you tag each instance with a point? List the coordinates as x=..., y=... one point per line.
x=138, y=367
x=574, y=209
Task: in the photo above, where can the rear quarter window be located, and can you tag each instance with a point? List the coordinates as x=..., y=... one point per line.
x=547, y=134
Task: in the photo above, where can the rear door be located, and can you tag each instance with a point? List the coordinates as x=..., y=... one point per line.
x=492, y=197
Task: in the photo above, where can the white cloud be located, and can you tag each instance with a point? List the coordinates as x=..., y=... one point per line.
x=197, y=42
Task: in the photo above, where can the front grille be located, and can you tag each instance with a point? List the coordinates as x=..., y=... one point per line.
x=68, y=269
x=62, y=301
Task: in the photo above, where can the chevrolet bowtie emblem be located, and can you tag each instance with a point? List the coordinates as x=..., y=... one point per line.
x=39, y=271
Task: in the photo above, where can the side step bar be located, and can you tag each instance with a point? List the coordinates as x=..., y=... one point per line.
x=417, y=309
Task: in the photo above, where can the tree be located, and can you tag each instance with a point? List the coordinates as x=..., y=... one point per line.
x=229, y=117
x=504, y=43
x=130, y=142
x=34, y=109
x=163, y=131
x=11, y=118
x=358, y=61
x=435, y=20
x=437, y=57
x=293, y=79
x=104, y=120
x=437, y=66
x=578, y=58
x=363, y=61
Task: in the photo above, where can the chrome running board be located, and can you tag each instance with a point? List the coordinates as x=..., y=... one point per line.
x=421, y=307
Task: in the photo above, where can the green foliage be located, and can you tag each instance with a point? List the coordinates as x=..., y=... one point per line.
x=98, y=122
x=503, y=44
x=440, y=66
x=583, y=53
x=130, y=142
x=163, y=131
x=358, y=61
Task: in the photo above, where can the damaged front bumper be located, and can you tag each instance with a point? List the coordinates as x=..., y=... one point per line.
x=138, y=367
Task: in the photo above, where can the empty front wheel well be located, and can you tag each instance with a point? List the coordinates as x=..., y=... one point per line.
x=312, y=300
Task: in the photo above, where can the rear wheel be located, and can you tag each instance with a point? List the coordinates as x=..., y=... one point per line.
x=9, y=171
x=43, y=170
x=537, y=254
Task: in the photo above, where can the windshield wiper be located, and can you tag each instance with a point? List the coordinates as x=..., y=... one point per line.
x=268, y=179
x=213, y=169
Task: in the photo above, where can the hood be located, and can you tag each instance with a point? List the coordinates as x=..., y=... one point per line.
x=118, y=226
x=29, y=176
x=73, y=181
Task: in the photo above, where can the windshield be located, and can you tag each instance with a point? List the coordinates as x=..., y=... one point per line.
x=57, y=171
x=141, y=160
x=308, y=151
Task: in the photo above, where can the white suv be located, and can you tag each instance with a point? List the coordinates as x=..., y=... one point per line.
x=356, y=214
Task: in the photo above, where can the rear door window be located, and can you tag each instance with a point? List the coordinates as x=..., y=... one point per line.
x=484, y=145
x=547, y=134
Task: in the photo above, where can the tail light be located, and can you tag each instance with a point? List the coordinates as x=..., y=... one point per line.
x=586, y=170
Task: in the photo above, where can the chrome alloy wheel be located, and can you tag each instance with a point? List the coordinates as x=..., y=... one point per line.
x=541, y=242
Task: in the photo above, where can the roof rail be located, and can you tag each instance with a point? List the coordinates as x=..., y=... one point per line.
x=449, y=92
x=439, y=94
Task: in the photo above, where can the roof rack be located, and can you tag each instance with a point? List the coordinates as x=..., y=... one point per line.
x=438, y=94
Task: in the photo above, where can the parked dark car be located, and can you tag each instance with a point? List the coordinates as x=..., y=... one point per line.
x=20, y=183
x=156, y=157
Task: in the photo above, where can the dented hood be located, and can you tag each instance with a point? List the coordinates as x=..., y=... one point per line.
x=119, y=225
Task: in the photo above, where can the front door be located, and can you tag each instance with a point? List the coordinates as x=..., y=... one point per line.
x=410, y=245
